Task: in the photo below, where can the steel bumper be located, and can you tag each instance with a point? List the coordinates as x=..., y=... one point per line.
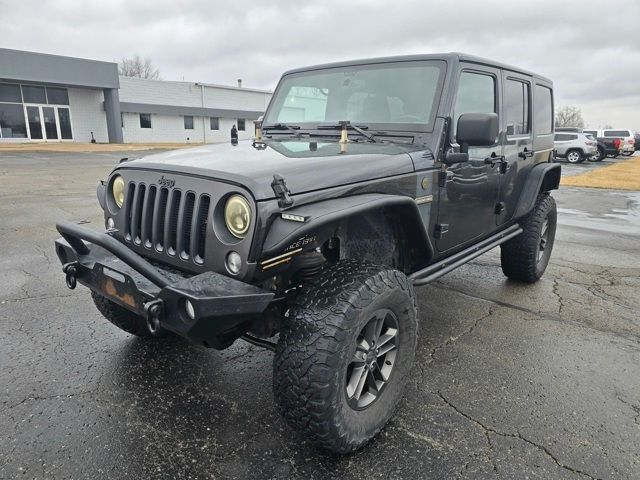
x=223, y=307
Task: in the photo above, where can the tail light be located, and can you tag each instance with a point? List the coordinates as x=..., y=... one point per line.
x=632, y=141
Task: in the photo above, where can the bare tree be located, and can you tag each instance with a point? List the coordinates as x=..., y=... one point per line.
x=136, y=66
x=569, y=117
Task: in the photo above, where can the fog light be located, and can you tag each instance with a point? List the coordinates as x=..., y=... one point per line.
x=111, y=223
x=234, y=262
x=188, y=307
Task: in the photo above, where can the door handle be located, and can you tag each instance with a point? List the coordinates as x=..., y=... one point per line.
x=493, y=159
x=525, y=153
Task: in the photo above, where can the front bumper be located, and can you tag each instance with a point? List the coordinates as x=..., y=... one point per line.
x=224, y=307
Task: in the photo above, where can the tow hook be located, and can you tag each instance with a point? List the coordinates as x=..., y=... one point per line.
x=71, y=275
x=154, y=311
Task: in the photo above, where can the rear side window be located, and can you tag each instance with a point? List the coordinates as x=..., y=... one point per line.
x=516, y=107
x=591, y=132
x=563, y=137
x=543, y=111
x=476, y=94
x=617, y=133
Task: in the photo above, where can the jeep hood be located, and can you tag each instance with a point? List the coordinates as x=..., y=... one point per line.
x=305, y=166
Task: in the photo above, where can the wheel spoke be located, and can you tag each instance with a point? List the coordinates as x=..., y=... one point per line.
x=356, y=382
x=389, y=335
x=359, y=357
x=370, y=332
x=379, y=325
x=372, y=383
x=385, y=349
x=361, y=382
x=363, y=345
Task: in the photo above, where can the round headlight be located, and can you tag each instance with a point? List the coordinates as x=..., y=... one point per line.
x=237, y=215
x=117, y=189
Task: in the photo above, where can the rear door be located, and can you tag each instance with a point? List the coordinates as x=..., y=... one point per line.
x=469, y=190
x=518, y=145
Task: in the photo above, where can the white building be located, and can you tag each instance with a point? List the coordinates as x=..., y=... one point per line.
x=50, y=98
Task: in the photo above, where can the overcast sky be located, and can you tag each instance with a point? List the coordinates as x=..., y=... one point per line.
x=592, y=53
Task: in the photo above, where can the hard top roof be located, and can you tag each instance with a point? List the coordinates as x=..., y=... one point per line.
x=452, y=56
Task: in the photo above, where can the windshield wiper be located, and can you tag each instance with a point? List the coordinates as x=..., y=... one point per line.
x=348, y=125
x=283, y=126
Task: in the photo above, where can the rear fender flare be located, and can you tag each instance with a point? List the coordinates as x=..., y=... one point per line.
x=543, y=177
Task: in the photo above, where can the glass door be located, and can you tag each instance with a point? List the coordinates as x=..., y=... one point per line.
x=50, y=123
x=35, y=126
x=64, y=120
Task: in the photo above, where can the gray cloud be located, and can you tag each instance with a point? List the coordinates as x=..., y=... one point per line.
x=592, y=55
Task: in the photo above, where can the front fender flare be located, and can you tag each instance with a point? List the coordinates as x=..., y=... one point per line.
x=326, y=213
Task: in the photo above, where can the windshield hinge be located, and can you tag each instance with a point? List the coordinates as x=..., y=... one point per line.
x=282, y=192
x=442, y=178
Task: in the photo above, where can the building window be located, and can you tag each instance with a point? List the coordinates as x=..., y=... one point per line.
x=241, y=126
x=188, y=122
x=12, y=123
x=57, y=96
x=214, y=123
x=34, y=94
x=10, y=92
x=145, y=120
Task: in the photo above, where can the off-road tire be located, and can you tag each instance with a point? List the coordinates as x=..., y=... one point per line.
x=574, y=156
x=519, y=256
x=318, y=341
x=123, y=318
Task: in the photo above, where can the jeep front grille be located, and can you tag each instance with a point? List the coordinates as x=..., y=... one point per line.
x=167, y=220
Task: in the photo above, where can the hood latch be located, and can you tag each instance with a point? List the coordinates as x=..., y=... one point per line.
x=282, y=192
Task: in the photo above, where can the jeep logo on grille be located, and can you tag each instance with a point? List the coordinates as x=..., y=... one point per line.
x=166, y=182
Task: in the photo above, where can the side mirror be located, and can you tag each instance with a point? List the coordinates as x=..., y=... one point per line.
x=477, y=130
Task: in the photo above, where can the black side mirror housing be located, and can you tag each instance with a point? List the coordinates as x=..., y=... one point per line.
x=477, y=129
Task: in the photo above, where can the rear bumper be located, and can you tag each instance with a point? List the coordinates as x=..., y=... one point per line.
x=627, y=147
x=224, y=307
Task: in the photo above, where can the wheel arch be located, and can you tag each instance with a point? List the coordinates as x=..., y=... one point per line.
x=543, y=177
x=391, y=218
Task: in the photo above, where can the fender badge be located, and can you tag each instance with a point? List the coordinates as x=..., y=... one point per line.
x=293, y=218
x=425, y=199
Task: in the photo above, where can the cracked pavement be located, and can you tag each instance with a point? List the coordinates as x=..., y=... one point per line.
x=510, y=381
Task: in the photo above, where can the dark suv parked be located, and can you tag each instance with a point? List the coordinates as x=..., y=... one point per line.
x=365, y=179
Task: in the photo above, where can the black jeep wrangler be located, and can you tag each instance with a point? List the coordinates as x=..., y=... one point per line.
x=364, y=179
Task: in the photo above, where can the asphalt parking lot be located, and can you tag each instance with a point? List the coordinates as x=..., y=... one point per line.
x=510, y=381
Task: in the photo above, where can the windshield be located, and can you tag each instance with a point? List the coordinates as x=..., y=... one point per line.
x=391, y=93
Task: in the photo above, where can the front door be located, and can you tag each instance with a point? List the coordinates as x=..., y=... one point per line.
x=34, y=119
x=48, y=123
x=468, y=191
x=518, y=145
